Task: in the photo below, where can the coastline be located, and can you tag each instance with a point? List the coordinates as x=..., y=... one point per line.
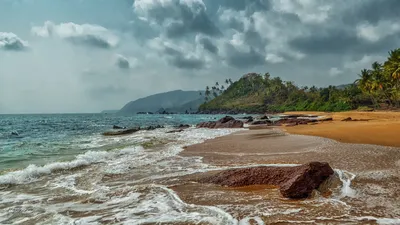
x=368, y=173
x=381, y=128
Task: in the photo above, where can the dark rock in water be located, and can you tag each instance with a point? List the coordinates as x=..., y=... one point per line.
x=118, y=127
x=175, y=131
x=14, y=133
x=248, y=119
x=121, y=132
x=183, y=126
x=259, y=122
x=152, y=127
x=293, y=182
x=264, y=117
x=226, y=122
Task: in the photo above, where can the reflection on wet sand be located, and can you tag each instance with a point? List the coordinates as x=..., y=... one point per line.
x=365, y=187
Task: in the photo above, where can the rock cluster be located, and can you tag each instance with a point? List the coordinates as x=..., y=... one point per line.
x=226, y=122
x=293, y=182
x=123, y=130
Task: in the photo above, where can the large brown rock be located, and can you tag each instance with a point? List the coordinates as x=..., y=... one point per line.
x=226, y=122
x=293, y=182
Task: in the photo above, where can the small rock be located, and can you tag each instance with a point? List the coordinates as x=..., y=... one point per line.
x=118, y=127
x=174, y=131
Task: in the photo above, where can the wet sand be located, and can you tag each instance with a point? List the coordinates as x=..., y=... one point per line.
x=371, y=171
x=382, y=128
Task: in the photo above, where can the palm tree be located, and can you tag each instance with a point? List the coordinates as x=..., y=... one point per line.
x=380, y=82
x=207, y=93
x=392, y=68
x=366, y=83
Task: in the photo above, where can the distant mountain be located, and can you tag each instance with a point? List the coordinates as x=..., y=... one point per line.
x=343, y=86
x=109, y=111
x=191, y=106
x=173, y=101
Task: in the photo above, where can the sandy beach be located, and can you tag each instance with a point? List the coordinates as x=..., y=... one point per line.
x=382, y=128
x=367, y=192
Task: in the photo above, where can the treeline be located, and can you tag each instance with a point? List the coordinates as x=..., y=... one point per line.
x=378, y=87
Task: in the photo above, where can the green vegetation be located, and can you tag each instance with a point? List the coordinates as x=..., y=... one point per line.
x=378, y=87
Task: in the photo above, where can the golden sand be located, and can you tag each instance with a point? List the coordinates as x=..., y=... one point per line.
x=382, y=128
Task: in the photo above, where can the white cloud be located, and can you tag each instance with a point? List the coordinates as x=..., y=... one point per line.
x=333, y=72
x=272, y=58
x=374, y=33
x=10, y=41
x=87, y=34
x=364, y=62
x=308, y=11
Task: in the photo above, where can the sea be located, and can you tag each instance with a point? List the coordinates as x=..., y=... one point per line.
x=60, y=169
x=54, y=169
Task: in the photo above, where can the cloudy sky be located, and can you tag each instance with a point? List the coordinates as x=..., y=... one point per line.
x=90, y=55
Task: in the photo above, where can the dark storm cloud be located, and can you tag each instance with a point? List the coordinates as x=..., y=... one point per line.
x=373, y=11
x=332, y=41
x=340, y=41
x=238, y=5
x=192, y=23
x=90, y=41
x=177, y=17
x=208, y=45
x=243, y=59
x=182, y=61
x=187, y=62
x=122, y=62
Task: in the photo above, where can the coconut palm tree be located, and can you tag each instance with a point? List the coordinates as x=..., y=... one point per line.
x=207, y=93
x=392, y=68
x=366, y=83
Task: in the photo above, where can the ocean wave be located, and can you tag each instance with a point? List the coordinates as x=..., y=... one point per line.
x=190, y=136
x=32, y=172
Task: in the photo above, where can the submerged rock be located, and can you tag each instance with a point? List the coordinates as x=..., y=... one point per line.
x=118, y=127
x=183, y=126
x=153, y=127
x=121, y=132
x=174, y=131
x=293, y=182
x=259, y=122
x=226, y=122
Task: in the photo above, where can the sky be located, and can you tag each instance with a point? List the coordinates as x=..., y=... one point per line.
x=90, y=55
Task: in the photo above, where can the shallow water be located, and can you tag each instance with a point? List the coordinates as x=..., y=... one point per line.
x=142, y=179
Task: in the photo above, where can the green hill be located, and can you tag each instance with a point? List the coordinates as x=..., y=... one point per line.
x=254, y=93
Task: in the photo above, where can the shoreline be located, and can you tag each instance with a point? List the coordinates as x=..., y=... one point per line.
x=369, y=174
x=378, y=128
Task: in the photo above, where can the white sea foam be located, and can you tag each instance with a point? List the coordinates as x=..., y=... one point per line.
x=346, y=178
x=32, y=172
x=190, y=136
x=381, y=221
x=162, y=205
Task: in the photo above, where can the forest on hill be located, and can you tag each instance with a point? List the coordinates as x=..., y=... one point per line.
x=376, y=88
